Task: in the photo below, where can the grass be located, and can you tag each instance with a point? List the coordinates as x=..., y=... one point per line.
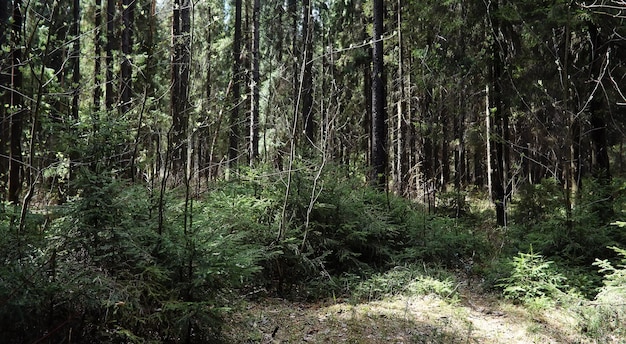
x=469, y=316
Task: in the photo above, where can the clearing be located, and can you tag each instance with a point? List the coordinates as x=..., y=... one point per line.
x=471, y=316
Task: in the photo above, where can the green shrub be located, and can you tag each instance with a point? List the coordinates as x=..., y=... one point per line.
x=409, y=280
x=606, y=316
x=539, y=217
x=533, y=280
x=104, y=271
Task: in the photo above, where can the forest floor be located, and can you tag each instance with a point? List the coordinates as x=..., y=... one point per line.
x=473, y=316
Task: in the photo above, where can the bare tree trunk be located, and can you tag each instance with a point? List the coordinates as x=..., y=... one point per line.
x=307, y=75
x=402, y=155
x=97, y=69
x=379, y=114
x=16, y=106
x=127, y=49
x=600, y=165
x=255, y=84
x=5, y=80
x=76, y=59
x=181, y=25
x=110, y=29
x=499, y=126
x=233, y=146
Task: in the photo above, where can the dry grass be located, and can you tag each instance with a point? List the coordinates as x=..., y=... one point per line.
x=476, y=318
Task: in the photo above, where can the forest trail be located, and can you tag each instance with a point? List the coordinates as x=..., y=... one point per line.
x=472, y=317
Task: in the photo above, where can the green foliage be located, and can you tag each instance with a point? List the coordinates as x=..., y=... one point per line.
x=540, y=219
x=408, y=280
x=533, y=280
x=605, y=316
x=100, y=270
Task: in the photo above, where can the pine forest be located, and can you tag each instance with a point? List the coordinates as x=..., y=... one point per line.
x=247, y=171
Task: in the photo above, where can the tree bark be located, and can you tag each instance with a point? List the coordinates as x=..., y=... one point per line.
x=499, y=124
x=126, y=78
x=379, y=114
x=5, y=81
x=307, y=75
x=110, y=30
x=16, y=106
x=255, y=84
x=76, y=59
x=233, y=146
x=181, y=25
x=600, y=166
x=97, y=69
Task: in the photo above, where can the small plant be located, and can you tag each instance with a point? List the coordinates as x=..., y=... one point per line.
x=408, y=280
x=605, y=316
x=533, y=280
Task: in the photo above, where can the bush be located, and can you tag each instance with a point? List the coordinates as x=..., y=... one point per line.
x=606, y=315
x=533, y=280
x=103, y=271
x=408, y=280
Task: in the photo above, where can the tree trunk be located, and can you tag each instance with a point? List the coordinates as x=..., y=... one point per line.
x=16, y=106
x=233, y=146
x=255, y=84
x=5, y=80
x=110, y=29
x=307, y=75
x=181, y=25
x=498, y=125
x=379, y=114
x=98, y=43
x=127, y=49
x=600, y=166
x=402, y=154
x=76, y=59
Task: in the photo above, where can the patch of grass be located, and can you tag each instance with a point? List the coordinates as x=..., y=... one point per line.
x=408, y=280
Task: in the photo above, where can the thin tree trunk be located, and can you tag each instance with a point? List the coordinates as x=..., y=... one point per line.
x=379, y=114
x=488, y=139
x=499, y=128
x=127, y=49
x=255, y=84
x=98, y=43
x=16, y=106
x=307, y=75
x=181, y=25
x=110, y=29
x=76, y=59
x=233, y=146
x=5, y=80
x=401, y=147
x=600, y=165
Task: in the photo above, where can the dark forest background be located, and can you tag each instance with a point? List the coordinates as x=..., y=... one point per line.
x=159, y=157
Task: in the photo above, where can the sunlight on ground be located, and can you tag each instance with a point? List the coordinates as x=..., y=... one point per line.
x=417, y=319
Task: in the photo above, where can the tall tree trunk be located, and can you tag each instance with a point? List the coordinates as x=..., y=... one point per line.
x=5, y=80
x=126, y=72
x=572, y=166
x=233, y=146
x=600, y=165
x=76, y=59
x=499, y=124
x=181, y=25
x=255, y=84
x=97, y=68
x=402, y=154
x=379, y=114
x=16, y=106
x=110, y=30
x=307, y=75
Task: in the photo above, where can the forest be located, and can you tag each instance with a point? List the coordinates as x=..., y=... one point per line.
x=170, y=170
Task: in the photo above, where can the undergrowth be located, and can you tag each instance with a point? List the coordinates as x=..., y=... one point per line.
x=120, y=263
